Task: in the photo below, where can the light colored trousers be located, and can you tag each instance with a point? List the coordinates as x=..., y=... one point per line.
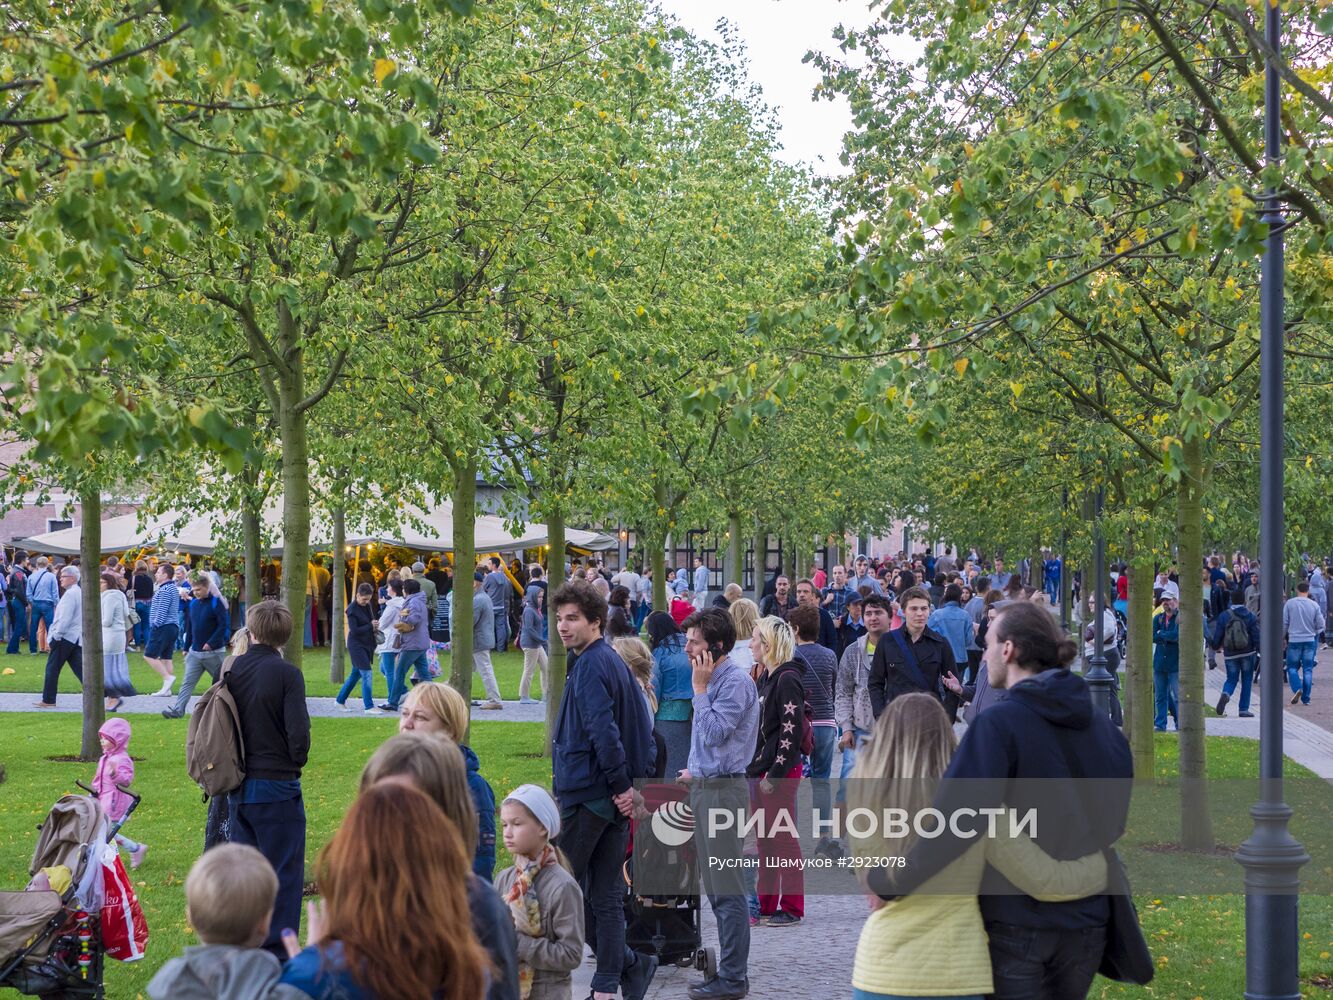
x=481, y=663
x=533, y=660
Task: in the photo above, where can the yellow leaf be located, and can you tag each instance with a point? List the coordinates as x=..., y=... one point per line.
x=252, y=88
x=383, y=67
x=986, y=226
x=960, y=366
x=1016, y=388
x=1145, y=76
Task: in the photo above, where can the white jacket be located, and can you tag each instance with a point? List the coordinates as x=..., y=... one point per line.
x=114, y=622
x=387, y=617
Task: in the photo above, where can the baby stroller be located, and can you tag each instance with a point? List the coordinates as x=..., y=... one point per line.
x=51, y=942
x=667, y=924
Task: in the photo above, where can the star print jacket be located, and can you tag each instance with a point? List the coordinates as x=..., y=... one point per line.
x=781, y=716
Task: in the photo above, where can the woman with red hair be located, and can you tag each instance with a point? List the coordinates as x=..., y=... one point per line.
x=394, y=920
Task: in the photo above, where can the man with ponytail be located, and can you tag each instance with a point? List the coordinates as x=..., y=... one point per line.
x=1045, y=728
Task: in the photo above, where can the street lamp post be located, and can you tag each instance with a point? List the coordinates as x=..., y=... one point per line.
x=1272, y=857
x=1098, y=677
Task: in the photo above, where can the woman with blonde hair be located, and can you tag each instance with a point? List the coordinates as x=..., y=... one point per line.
x=897, y=955
x=776, y=768
x=434, y=764
x=395, y=862
x=438, y=710
x=639, y=658
x=745, y=616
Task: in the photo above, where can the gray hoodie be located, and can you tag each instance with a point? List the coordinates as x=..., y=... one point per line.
x=222, y=972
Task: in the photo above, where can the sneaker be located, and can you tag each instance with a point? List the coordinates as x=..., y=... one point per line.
x=529, y=701
x=165, y=690
x=1222, y=703
x=389, y=709
x=372, y=710
x=783, y=919
x=635, y=980
x=1296, y=697
x=1247, y=715
x=137, y=855
x=476, y=703
x=169, y=714
x=346, y=707
x=43, y=704
x=491, y=706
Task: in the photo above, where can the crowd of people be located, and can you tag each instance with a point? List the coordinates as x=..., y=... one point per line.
x=864, y=669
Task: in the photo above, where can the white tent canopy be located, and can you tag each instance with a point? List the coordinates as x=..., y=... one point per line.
x=175, y=531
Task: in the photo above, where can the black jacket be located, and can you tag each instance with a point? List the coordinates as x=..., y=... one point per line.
x=361, y=626
x=270, y=698
x=770, y=605
x=890, y=675
x=781, y=722
x=1044, y=728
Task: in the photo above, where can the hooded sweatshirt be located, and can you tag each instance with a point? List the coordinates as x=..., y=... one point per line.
x=222, y=972
x=114, y=768
x=483, y=797
x=1045, y=727
x=414, y=613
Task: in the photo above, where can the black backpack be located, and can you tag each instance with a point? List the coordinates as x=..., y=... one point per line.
x=1236, y=636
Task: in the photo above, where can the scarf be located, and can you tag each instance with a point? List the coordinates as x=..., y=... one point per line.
x=524, y=906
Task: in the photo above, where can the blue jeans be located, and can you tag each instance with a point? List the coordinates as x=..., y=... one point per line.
x=387, y=660
x=141, y=630
x=18, y=626
x=859, y=736
x=1240, y=669
x=501, y=630
x=1166, y=698
x=821, y=766
x=364, y=676
x=277, y=831
x=1300, y=669
x=41, y=611
x=407, y=658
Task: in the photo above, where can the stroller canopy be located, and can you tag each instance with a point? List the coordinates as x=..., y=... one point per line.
x=73, y=835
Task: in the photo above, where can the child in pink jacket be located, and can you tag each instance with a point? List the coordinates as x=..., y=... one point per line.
x=116, y=768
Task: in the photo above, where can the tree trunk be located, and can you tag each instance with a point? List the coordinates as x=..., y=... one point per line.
x=337, y=624
x=90, y=556
x=760, y=561
x=657, y=547
x=657, y=561
x=735, y=552
x=555, y=530
x=465, y=564
x=295, y=503
x=1138, y=673
x=253, y=573
x=250, y=531
x=1196, y=829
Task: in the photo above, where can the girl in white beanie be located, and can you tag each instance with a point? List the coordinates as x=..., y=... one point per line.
x=543, y=898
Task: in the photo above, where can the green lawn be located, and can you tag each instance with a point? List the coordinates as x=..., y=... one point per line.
x=171, y=817
x=1198, y=941
x=29, y=671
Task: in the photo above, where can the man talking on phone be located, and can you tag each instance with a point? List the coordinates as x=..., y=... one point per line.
x=722, y=742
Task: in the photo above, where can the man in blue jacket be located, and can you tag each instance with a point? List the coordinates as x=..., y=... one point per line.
x=1166, y=659
x=1045, y=728
x=603, y=742
x=1240, y=651
x=207, y=632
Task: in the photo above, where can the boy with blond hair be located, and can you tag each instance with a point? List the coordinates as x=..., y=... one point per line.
x=229, y=897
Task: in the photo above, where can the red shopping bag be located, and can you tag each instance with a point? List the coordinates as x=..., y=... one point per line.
x=124, y=930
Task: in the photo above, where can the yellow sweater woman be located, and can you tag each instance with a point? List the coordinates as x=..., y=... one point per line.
x=898, y=955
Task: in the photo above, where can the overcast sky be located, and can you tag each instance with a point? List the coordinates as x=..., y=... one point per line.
x=777, y=34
